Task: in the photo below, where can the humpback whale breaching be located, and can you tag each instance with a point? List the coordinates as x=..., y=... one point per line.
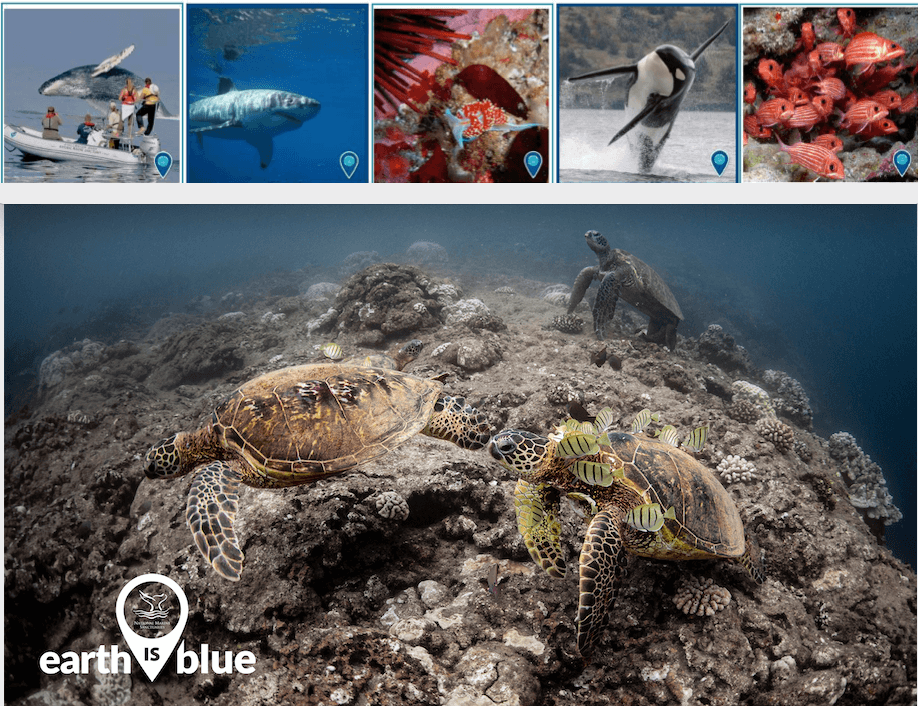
x=658, y=84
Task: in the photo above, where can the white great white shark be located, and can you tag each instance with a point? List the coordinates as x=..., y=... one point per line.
x=255, y=116
x=657, y=85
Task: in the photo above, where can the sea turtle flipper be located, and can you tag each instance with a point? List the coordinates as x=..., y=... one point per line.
x=211, y=513
x=753, y=559
x=458, y=422
x=581, y=285
x=604, y=306
x=602, y=563
x=537, y=508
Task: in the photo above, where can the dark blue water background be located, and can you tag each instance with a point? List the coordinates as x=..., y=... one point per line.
x=824, y=293
x=322, y=55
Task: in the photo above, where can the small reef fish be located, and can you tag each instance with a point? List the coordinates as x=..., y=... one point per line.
x=834, y=88
x=771, y=73
x=576, y=444
x=578, y=412
x=582, y=499
x=774, y=111
x=804, y=117
x=749, y=93
x=332, y=351
x=595, y=473
x=862, y=114
x=669, y=435
x=643, y=418
x=869, y=48
x=847, y=20
x=649, y=517
x=888, y=98
x=598, y=358
x=695, y=441
x=823, y=106
x=807, y=36
x=830, y=52
x=815, y=158
x=605, y=419
x=880, y=128
x=830, y=142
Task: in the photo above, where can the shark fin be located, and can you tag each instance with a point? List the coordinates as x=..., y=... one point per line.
x=265, y=146
x=225, y=86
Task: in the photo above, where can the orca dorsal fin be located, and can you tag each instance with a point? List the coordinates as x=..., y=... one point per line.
x=225, y=86
x=704, y=45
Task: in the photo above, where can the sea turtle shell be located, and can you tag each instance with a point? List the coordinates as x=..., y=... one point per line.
x=707, y=520
x=305, y=422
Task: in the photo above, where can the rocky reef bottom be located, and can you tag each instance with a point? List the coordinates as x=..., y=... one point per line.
x=342, y=605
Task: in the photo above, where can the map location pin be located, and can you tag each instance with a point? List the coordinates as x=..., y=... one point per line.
x=349, y=162
x=533, y=163
x=719, y=159
x=163, y=162
x=901, y=160
x=152, y=653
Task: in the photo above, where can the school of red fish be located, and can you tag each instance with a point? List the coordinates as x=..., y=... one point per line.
x=830, y=90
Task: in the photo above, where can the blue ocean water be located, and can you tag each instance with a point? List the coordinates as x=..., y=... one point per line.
x=315, y=51
x=823, y=292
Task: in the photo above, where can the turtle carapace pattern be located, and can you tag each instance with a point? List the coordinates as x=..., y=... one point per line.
x=642, y=495
x=295, y=426
x=623, y=275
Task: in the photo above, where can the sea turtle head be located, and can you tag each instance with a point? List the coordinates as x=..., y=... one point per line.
x=164, y=459
x=521, y=451
x=597, y=242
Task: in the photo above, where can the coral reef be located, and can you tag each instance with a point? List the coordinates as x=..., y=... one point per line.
x=357, y=261
x=743, y=410
x=58, y=365
x=426, y=253
x=778, y=433
x=504, y=290
x=720, y=348
x=789, y=400
x=321, y=291
x=734, y=468
x=802, y=449
x=392, y=506
x=701, y=597
x=559, y=294
x=866, y=484
x=387, y=300
x=745, y=390
x=566, y=323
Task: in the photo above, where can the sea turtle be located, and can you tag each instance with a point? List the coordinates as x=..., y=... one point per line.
x=623, y=275
x=297, y=425
x=642, y=494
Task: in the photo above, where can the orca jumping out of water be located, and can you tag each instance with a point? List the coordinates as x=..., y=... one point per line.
x=657, y=85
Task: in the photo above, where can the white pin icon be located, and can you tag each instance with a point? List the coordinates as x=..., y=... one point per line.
x=152, y=653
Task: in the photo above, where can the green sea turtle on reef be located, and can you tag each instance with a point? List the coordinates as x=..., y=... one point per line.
x=643, y=495
x=295, y=426
x=623, y=275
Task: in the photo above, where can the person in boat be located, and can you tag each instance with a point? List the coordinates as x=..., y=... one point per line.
x=128, y=98
x=115, y=125
x=50, y=125
x=149, y=95
x=84, y=130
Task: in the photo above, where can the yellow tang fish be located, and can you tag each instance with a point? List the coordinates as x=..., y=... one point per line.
x=649, y=517
x=643, y=418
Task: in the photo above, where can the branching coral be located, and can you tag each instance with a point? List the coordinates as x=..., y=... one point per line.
x=742, y=410
x=867, y=486
x=734, y=468
x=701, y=597
x=778, y=433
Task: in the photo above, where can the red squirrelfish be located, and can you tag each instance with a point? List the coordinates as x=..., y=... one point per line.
x=823, y=105
x=830, y=142
x=770, y=72
x=869, y=48
x=834, y=88
x=830, y=51
x=773, y=111
x=909, y=102
x=879, y=128
x=807, y=37
x=815, y=158
x=804, y=117
x=751, y=126
x=847, y=20
x=880, y=78
x=889, y=99
x=862, y=114
x=796, y=96
x=749, y=93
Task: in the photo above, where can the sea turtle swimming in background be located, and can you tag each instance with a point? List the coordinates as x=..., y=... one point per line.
x=623, y=275
x=643, y=495
x=297, y=425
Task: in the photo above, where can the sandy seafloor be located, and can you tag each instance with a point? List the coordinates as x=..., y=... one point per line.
x=341, y=605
